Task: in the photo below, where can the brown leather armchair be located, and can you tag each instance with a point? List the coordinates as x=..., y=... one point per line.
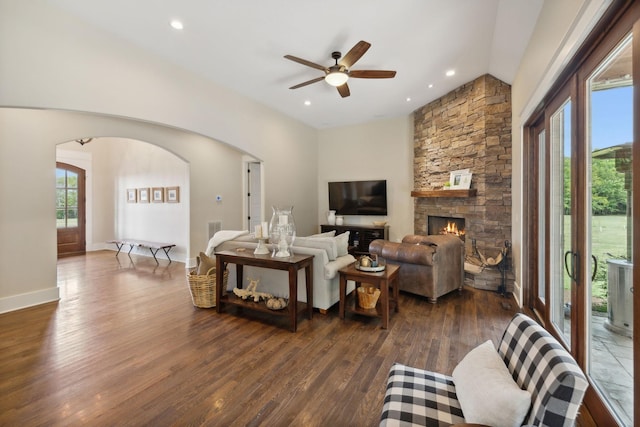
x=431, y=266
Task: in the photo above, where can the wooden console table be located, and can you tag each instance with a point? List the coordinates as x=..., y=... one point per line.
x=291, y=264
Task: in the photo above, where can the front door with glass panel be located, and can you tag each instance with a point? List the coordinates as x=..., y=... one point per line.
x=70, y=209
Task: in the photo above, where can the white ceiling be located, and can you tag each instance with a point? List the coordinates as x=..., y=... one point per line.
x=240, y=45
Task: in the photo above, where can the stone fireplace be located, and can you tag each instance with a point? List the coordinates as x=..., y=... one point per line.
x=469, y=128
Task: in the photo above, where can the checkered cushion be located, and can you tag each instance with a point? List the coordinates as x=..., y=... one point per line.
x=539, y=364
x=418, y=397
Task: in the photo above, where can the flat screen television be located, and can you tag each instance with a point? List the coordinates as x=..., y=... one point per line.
x=358, y=197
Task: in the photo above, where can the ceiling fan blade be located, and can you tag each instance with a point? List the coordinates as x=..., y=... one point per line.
x=355, y=53
x=372, y=74
x=305, y=62
x=317, y=79
x=343, y=90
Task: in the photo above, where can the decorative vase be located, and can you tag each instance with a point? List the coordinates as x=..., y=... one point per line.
x=339, y=220
x=331, y=218
x=282, y=230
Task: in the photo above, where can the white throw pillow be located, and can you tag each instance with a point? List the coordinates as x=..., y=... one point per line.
x=486, y=391
x=326, y=243
x=342, y=243
x=325, y=234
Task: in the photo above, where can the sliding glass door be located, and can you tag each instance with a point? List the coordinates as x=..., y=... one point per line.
x=609, y=229
x=562, y=259
x=585, y=233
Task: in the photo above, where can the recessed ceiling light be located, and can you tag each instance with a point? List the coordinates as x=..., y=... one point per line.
x=451, y=73
x=176, y=25
x=307, y=102
x=430, y=86
x=408, y=99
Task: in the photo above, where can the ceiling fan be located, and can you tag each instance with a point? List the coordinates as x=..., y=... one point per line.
x=338, y=74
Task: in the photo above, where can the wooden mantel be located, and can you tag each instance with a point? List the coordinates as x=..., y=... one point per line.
x=444, y=193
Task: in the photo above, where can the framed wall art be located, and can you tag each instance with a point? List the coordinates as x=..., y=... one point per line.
x=132, y=195
x=143, y=195
x=172, y=194
x=157, y=194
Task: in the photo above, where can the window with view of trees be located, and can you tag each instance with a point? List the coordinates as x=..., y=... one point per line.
x=66, y=199
x=609, y=196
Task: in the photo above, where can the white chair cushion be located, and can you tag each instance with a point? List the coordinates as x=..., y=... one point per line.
x=486, y=391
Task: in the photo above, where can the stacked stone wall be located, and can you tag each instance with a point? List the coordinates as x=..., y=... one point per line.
x=469, y=128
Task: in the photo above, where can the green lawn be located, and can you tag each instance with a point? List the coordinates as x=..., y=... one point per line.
x=608, y=241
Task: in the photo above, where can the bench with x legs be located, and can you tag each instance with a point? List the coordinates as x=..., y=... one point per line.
x=154, y=247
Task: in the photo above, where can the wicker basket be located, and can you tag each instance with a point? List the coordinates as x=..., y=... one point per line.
x=203, y=287
x=368, y=296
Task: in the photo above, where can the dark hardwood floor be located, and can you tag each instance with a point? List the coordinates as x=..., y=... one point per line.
x=125, y=346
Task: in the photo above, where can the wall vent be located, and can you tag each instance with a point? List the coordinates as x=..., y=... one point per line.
x=212, y=228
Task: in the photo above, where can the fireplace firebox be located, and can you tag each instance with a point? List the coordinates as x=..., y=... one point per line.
x=446, y=225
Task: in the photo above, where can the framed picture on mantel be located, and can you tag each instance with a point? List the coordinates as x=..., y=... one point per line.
x=455, y=179
x=465, y=181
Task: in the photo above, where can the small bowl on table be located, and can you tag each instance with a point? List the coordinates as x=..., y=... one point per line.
x=379, y=223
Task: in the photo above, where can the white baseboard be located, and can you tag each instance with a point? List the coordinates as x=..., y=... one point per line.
x=17, y=302
x=99, y=246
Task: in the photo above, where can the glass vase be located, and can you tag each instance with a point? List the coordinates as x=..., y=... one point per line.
x=282, y=231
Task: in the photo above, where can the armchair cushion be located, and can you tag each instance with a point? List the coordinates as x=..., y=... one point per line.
x=418, y=397
x=482, y=373
x=541, y=365
x=402, y=252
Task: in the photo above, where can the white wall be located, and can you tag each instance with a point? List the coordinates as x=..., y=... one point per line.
x=141, y=165
x=377, y=150
x=561, y=28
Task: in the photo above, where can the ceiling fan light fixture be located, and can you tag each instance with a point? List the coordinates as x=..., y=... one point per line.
x=336, y=78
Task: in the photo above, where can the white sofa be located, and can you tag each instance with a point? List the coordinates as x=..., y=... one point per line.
x=326, y=263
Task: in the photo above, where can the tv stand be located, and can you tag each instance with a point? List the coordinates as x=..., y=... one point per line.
x=363, y=234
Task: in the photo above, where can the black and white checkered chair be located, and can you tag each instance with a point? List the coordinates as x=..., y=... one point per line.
x=536, y=361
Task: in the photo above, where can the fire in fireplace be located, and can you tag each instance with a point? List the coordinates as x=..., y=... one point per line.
x=445, y=225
